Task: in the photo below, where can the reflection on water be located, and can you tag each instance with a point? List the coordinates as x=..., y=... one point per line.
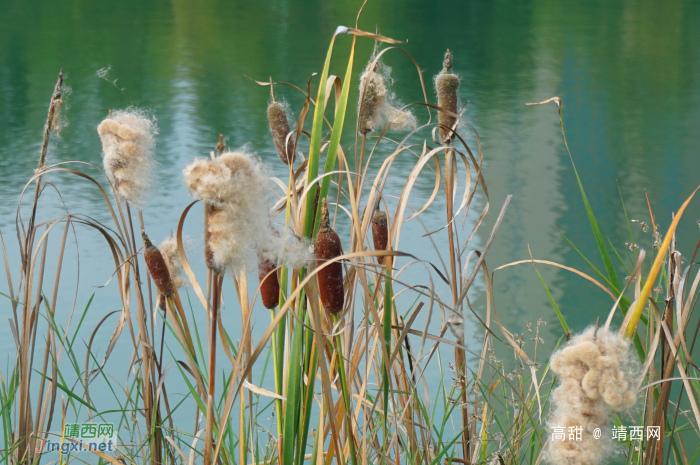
x=628, y=72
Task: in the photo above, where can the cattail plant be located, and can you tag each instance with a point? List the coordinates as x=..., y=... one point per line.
x=168, y=250
x=128, y=140
x=446, y=86
x=234, y=188
x=157, y=267
x=278, y=118
x=598, y=376
x=330, y=278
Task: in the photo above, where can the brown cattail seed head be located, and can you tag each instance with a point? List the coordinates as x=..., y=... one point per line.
x=447, y=85
x=330, y=278
x=157, y=267
x=279, y=127
x=380, y=231
x=269, y=283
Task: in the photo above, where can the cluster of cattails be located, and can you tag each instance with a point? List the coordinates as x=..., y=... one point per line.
x=127, y=150
x=330, y=279
x=598, y=375
x=446, y=86
x=376, y=107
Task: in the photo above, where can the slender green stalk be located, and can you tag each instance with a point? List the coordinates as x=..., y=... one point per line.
x=388, y=307
x=345, y=388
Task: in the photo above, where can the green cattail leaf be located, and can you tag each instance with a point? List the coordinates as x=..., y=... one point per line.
x=591, y=218
x=334, y=144
x=315, y=147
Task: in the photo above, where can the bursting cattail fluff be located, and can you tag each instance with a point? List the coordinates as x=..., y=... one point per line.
x=168, y=248
x=128, y=140
x=376, y=107
x=235, y=188
x=446, y=86
x=157, y=267
x=330, y=278
x=278, y=118
x=598, y=376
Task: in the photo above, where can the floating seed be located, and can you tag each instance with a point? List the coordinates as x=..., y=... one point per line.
x=330, y=278
x=446, y=85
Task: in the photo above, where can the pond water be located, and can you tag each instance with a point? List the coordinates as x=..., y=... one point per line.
x=627, y=72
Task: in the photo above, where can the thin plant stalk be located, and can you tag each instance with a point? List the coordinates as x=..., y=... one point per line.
x=386, y=325
x=208, y=438
x=345, y=388
x=460, y=358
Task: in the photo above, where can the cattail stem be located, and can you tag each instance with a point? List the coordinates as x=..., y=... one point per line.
x=345, y=388
x=54, y=107
x=460, y=356
x=387, y=344
x=147, y=351
x=358, y=167
x=209, y=433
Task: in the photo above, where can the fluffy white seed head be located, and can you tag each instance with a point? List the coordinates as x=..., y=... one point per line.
x=128, y=141
x=598, y=375
x=377, y=106
x=239, y=228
